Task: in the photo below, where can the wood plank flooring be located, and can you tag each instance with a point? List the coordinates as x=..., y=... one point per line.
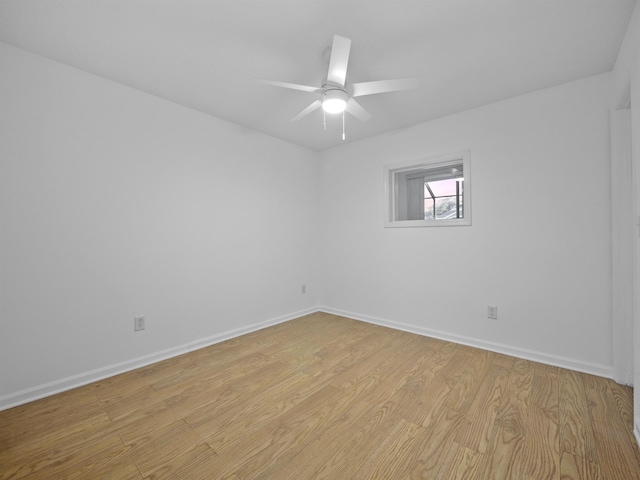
x=325, y=397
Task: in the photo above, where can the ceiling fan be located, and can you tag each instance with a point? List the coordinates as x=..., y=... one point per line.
x=336, y=96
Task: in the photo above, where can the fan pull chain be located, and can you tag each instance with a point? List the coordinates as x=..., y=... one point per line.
x=324, y=118
x=343, y=135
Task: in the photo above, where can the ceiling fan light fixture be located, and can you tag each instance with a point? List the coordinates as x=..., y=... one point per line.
x=335, y=96
x=334, y=101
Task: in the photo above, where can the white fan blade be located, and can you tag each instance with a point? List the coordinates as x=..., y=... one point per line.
x=355, y=109
x=339, y=60
x=383, y=86
x=314, y=106
x=293, y=86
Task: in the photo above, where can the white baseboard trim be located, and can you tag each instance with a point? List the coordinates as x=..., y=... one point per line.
x=636, y=432
x=564, y=362
x=68, y=383
x=623, y=377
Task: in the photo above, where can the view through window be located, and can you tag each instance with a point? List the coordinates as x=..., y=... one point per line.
x=433, y=192
x=443, y=199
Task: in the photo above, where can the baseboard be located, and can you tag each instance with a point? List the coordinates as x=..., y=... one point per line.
x=45, y=390
x=558, y=361
x=623, y=377
x=68, y=383
x=636, y=432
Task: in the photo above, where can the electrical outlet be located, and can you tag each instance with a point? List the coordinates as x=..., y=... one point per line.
x=303, y=289
x=138, y=323
x=492, y=312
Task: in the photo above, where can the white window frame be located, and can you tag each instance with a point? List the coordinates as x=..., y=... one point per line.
x=391, y=190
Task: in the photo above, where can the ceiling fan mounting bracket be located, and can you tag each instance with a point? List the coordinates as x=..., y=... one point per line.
x=327, y=87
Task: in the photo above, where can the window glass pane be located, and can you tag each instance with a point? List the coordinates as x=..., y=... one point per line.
x=442, y=188
x=424, y=193
x=428, y=208
x=446, y=208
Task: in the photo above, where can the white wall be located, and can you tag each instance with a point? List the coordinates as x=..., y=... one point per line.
x=635, y=121
x=626, y=74
x=115, y=203
x=539, y=246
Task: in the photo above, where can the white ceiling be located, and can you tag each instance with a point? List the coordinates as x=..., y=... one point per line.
x=206, y=54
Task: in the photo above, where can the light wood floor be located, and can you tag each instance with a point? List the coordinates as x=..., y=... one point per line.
x=324, y=397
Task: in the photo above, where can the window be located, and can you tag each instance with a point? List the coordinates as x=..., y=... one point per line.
x=434, y=191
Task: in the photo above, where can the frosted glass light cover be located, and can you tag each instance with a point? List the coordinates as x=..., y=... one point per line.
x=335, y=101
